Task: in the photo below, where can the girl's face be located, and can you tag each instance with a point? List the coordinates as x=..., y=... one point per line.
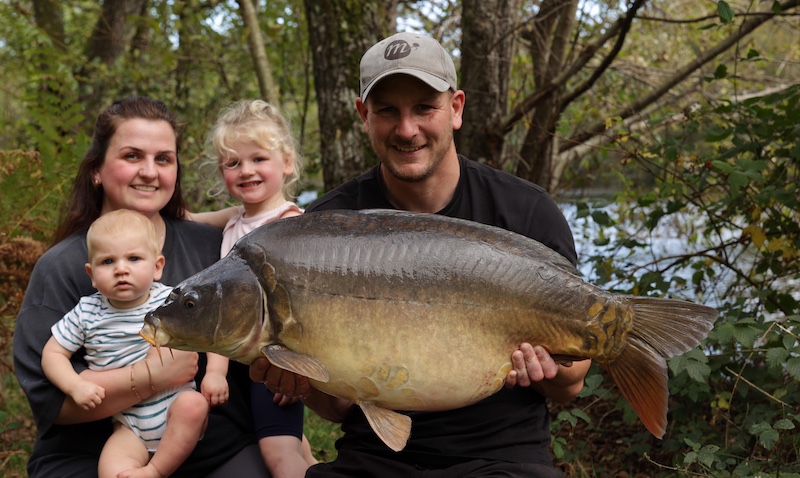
x=140, y=168
x=255, y=176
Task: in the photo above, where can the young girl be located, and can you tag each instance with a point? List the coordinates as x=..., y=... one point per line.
x=257, y=156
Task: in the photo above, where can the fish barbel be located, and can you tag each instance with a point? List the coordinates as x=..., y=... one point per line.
x=380, y=307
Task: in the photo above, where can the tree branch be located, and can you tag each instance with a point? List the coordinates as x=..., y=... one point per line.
x=624, y=28
x=530, y=102
x=265, y=83
x=746, y=27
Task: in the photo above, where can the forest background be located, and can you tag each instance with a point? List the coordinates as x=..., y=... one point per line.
x=648, y=117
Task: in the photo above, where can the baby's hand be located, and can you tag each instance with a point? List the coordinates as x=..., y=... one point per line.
x=215, y=388
x=88, y=395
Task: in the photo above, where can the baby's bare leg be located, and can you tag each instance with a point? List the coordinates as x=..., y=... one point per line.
x=186, y=421
x=123, y=450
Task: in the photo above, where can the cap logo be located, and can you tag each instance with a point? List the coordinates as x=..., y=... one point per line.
x=398, y=49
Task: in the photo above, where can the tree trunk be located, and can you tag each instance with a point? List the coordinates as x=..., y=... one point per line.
x=487, y=50
x=49, y=15
x=109, y=40
x=340, y=31
x=269, y=92
x=548, y=46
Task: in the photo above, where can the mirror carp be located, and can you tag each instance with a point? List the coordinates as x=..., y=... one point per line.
x=419, y=312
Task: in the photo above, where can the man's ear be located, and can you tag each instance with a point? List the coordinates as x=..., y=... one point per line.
x=457, y=102
x=362, y=109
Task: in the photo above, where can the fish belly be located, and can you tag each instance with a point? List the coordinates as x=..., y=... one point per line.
x=411, y=355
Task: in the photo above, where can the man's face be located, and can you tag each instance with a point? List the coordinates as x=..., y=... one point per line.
x=410, y=125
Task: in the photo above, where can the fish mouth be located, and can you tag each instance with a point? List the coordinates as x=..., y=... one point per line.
x=153, y=334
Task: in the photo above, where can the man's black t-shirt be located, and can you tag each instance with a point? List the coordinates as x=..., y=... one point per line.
x=512, y=425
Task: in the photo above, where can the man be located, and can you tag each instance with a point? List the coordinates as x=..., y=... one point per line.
x=410, y=106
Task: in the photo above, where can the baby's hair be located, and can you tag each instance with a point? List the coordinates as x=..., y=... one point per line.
x=121, y=222
x=261, y=122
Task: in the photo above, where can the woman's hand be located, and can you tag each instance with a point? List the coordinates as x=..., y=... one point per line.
x=172, y=368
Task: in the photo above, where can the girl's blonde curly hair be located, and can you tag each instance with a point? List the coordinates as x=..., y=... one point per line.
x=261, y=122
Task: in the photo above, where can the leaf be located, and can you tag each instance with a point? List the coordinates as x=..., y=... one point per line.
x=768, y=438
x=713, y=134
x=698, y=371
x=721, y=72
x=583, y=416
x=559, y=446
x=746, y=335
x=707, y=455
x=776, y=356
x=565, y=416
x=784, y=424
x=756, y=234
x=602, y=218
x=738, y=180
x=725, y=12
x=793, y=367
x=693, y=444
x=759, y=428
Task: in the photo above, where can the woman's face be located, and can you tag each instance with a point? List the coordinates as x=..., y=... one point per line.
x=140, y=167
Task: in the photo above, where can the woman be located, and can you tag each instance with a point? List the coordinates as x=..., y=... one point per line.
x=132, y=163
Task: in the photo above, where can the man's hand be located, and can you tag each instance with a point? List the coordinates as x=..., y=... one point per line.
x=279, y=380
x=531, y=364
x=559, y=380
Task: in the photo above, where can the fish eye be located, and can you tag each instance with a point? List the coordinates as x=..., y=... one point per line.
x=190, y=300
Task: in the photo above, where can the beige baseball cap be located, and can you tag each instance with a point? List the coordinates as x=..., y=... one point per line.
x=412, y=54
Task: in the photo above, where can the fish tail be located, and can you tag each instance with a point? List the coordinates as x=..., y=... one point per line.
x=662, y=328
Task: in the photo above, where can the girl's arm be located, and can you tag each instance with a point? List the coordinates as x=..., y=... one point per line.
x=214, y=218
x=215, y=383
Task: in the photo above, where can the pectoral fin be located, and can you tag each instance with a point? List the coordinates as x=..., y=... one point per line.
x=391, y=427
x=300, y=364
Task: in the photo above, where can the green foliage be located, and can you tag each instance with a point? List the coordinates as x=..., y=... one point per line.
x=38, y=170
x=725, y=188
x=725, y=12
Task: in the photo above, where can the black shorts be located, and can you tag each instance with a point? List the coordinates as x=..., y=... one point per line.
x=247, y=462
x=363, y=465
